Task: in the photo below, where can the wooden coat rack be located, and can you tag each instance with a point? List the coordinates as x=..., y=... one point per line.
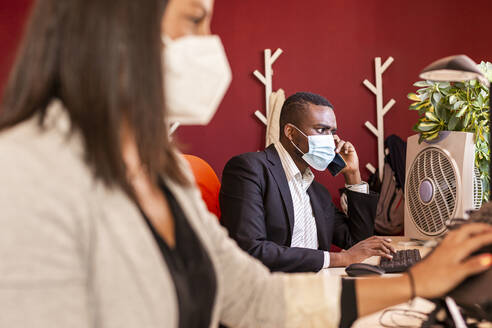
x=380, y=111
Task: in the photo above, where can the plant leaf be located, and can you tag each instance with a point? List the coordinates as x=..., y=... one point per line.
x=423, y=110
x=432, y=136
x=462, y=111
x=421, y=84
x=418, y=105
x=453, y=121
x=431, y=116
x=458, y=104
x=414, y=97
x=427, y=126
x=443, y=85
x=421, y=138
x=453, y=99
x=423, y=96
x=467, y=119
x=437, y=97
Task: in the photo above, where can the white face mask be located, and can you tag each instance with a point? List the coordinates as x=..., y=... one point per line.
x=321, y=150
x=196, y=77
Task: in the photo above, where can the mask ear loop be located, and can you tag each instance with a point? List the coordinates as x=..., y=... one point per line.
x=299, y=130
x=292, y=142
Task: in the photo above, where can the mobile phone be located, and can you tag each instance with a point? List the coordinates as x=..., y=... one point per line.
x=336, y=165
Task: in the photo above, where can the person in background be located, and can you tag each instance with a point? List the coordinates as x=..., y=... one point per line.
x=276, y=211
x=102, y=224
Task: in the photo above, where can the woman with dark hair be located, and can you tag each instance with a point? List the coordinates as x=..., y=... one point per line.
x=102, y=225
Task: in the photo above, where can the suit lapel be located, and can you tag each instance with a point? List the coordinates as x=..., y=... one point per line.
x=278, y=173
x=320, y=218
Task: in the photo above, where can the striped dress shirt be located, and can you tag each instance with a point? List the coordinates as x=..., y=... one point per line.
x=305, y=233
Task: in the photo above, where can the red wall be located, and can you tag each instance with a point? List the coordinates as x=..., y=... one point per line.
x=329, y=48
x=12, y=16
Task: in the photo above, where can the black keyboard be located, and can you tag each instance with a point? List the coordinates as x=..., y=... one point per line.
x=401, y=261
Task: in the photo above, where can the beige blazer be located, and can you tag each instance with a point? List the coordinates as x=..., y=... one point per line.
x=74, y=253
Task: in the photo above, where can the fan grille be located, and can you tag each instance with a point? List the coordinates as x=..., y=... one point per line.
x=434, y=166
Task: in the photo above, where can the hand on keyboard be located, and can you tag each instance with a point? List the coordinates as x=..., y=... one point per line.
x=373, y=246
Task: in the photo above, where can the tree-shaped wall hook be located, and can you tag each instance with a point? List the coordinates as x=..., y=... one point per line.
x=174, y=126
x=267, y=81
x=380, y=111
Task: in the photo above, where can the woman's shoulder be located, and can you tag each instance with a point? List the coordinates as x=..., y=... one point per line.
x=34, y=154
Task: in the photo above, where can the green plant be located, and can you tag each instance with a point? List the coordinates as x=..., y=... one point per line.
x=457, y=106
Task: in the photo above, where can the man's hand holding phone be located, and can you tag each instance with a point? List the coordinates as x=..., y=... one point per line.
x=347, y=151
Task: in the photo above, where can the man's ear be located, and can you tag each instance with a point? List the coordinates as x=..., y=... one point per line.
x=288, y=130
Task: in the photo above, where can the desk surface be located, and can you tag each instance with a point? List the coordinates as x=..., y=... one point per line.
x=394, y=318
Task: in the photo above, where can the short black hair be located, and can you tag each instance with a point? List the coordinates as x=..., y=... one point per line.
x=295, y=106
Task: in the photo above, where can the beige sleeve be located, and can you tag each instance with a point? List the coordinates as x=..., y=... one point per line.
x=312, y=300
x=42, y=276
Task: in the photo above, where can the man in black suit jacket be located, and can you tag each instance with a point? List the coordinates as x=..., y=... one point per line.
x=266, y=202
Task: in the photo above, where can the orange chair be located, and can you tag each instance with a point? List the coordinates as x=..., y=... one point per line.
x=207, y=181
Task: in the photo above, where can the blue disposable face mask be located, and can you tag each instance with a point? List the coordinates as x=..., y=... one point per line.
x=321, y=150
